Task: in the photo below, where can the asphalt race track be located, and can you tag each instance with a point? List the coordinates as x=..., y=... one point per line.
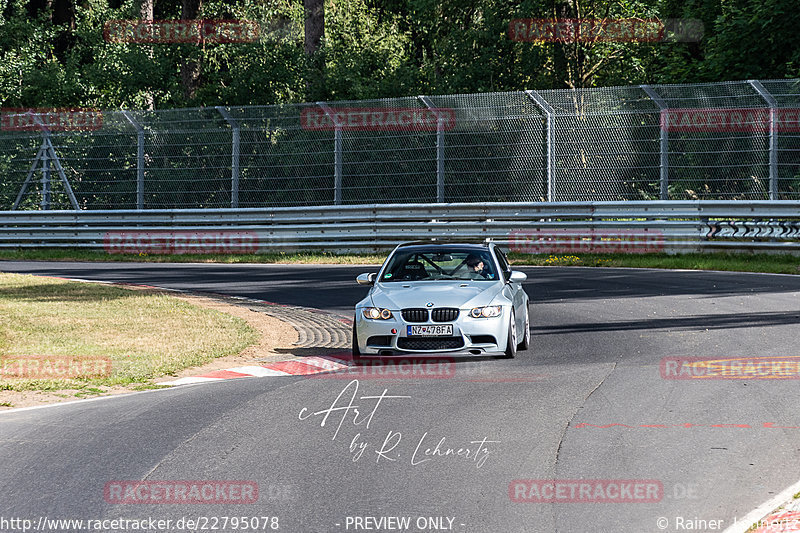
x=716, y=448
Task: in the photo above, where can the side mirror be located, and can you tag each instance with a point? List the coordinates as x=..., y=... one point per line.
x=366, y=279
x=517, y=276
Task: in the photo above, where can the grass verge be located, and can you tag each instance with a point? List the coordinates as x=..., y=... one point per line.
x=771, y=263
x=58, y=254
x=145, y=334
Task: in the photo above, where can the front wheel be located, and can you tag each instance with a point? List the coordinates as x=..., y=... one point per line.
x=511, y=342
x=356, y=350
x=526, y=336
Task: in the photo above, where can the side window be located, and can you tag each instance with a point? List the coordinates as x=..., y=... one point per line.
x=501, y=258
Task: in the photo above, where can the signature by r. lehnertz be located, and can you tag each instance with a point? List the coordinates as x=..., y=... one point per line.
x=360, y=411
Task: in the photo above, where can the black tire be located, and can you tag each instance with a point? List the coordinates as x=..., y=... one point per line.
x=526, y=337
x=511, y=341
x=356, y=351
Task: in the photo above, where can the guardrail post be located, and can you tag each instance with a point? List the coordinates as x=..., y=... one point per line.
x=664, y=149
x=773, y=137
x=549, y=112
x=337, y=153
x=234, y=155
x=439, y=148
x=139, y=159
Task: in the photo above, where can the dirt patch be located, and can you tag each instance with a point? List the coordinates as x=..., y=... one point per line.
x=37, y=397
x=275, y=344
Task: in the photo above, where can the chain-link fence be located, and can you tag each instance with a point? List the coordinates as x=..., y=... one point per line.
x=732, y=140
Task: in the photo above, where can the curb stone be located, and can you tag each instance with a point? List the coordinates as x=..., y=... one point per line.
x=779, y=514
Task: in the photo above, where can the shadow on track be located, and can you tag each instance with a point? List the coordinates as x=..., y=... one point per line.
x=549, y=284
x=689, y=323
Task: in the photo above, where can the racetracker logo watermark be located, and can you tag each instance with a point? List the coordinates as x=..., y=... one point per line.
x=180, y=492
x=54, y=367
x=180, y=242
x=378, y=119
x=407, y=368
x=181, y=31
x=585, y=491
x=581, y=30
x=786, y=367
x=735, y=120
x=52, y=119
x=557, y=240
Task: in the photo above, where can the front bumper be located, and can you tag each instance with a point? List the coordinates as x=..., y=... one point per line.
x=471, y=336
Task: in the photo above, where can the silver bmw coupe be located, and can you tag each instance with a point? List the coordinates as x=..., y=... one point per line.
x=453, y=299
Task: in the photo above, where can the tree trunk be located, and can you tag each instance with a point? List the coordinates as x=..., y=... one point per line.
x=190, y=67
x=314, y=32
x=561, y=71
x=146, y=12
x=62, y=15
x=314, y=24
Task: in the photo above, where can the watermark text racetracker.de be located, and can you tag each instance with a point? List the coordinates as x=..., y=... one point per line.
x=181, y=31
x=705, y=368
x=181, y=242
x=377, y=119
x=425, y=367
x=51, y=119
x=563, y=240
x=731, y=120
x=585, y=491
x=151, y=524
x=180, y=492
x=406, y=368
x=54, y=367
x=620, y=30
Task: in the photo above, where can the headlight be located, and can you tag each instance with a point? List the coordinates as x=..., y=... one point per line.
x=375, y=313
x=486, y=312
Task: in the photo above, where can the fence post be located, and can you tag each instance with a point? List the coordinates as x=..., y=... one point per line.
x=549, y=112
x=46, y=153
x=439, y=148
x=234, y=155
x=139, y=159
x=664, y=149
x=773, y=137
x=337, y=153
x=45, y=176
x=27, y=181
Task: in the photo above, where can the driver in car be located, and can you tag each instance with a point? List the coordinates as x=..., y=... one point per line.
x=477, y=267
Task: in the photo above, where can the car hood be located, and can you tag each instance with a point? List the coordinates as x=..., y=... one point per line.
x=401, y=295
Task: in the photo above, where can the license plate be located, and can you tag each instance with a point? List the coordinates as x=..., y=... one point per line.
x=439, y=330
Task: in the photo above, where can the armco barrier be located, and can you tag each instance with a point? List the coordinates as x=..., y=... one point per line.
x=670, y=226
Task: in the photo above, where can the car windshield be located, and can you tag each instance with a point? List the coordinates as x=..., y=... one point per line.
x=445, y=264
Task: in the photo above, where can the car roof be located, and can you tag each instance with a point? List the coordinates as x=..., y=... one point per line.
x=428, y=245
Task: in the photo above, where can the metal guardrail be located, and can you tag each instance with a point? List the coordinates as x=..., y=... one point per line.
x=629, y=226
